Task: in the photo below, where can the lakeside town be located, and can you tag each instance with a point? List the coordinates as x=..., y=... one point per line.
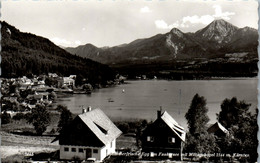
x=23, y=94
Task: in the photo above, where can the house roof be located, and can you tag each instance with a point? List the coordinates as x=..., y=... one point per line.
x=173, y=125
x=100, y=125
x=216, y=126
x=34, y=96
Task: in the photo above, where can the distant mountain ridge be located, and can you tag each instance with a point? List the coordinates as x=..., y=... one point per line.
x=217, y=38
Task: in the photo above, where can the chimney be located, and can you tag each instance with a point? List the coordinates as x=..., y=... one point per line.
x=84, y=110
x=89, y=109
x=159, y=113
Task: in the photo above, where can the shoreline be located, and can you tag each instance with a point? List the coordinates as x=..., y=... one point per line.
x=210, y=78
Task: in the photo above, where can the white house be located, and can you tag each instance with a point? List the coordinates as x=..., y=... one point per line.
x=68, y=81
x=90, y=135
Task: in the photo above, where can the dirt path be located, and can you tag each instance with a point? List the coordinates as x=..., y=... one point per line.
x=12, y=144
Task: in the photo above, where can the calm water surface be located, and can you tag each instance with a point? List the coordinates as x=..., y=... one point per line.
x=142, y=98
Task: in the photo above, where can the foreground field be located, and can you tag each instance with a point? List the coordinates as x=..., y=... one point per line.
x=12, y=144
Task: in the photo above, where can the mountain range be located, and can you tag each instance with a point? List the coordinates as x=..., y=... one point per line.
x=215, y=40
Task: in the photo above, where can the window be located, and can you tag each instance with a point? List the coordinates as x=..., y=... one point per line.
x=171, y=139
x=66, y=149
x=95, y=151
x=80, y=150
x=150, y=138
x=73, y=149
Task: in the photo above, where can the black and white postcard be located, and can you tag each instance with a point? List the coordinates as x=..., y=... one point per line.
x=129, y=81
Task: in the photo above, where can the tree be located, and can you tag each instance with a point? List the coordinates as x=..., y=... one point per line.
x=198, y=139
x=139, y=132
x=232, y=112
x=242, y=126
x=52, y=96
x=40, y=118
x=25, y=93
x=65, y=116
x=51, y=81
x=10, y=105
x=123, y=126
x=88, y=88
x=79, y=80
x=197, y=115
x=5, y=118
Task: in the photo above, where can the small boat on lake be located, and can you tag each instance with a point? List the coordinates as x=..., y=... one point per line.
x=110, y=100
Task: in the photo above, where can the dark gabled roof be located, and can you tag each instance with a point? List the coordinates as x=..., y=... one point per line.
x=100, y=125
x=217, y=126
x=173, y=125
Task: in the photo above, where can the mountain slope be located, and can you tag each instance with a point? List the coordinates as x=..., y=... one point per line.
x=25, y=54
x=244, y=40
x=91, y=49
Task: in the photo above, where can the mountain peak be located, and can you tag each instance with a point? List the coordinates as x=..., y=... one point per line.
x=219, y=21
x=219, y=31
x=176, y=31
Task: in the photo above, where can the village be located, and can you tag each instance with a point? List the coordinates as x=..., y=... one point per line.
x=23, y=94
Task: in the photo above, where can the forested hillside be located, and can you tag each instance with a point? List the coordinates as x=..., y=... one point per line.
x=26, y=54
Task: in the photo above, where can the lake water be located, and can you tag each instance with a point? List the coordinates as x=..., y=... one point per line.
x=142, y=98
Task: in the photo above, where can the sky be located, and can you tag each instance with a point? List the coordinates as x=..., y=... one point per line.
x=71, y=23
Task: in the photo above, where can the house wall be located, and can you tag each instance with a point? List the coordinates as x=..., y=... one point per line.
x=108, y=149
x=100, y=155
x=69, y=155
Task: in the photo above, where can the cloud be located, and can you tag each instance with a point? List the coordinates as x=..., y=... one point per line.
x=77, y=42
x=145, y=9
x=59, y=41
x=220, y=14
x=163, y=25
x=205, y=19
x=64, y=42
x=186, y=21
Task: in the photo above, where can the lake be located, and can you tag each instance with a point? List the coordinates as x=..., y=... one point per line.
x=140, y=99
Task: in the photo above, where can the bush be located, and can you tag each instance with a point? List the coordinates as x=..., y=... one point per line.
x=18, y=116
x=124, y=127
